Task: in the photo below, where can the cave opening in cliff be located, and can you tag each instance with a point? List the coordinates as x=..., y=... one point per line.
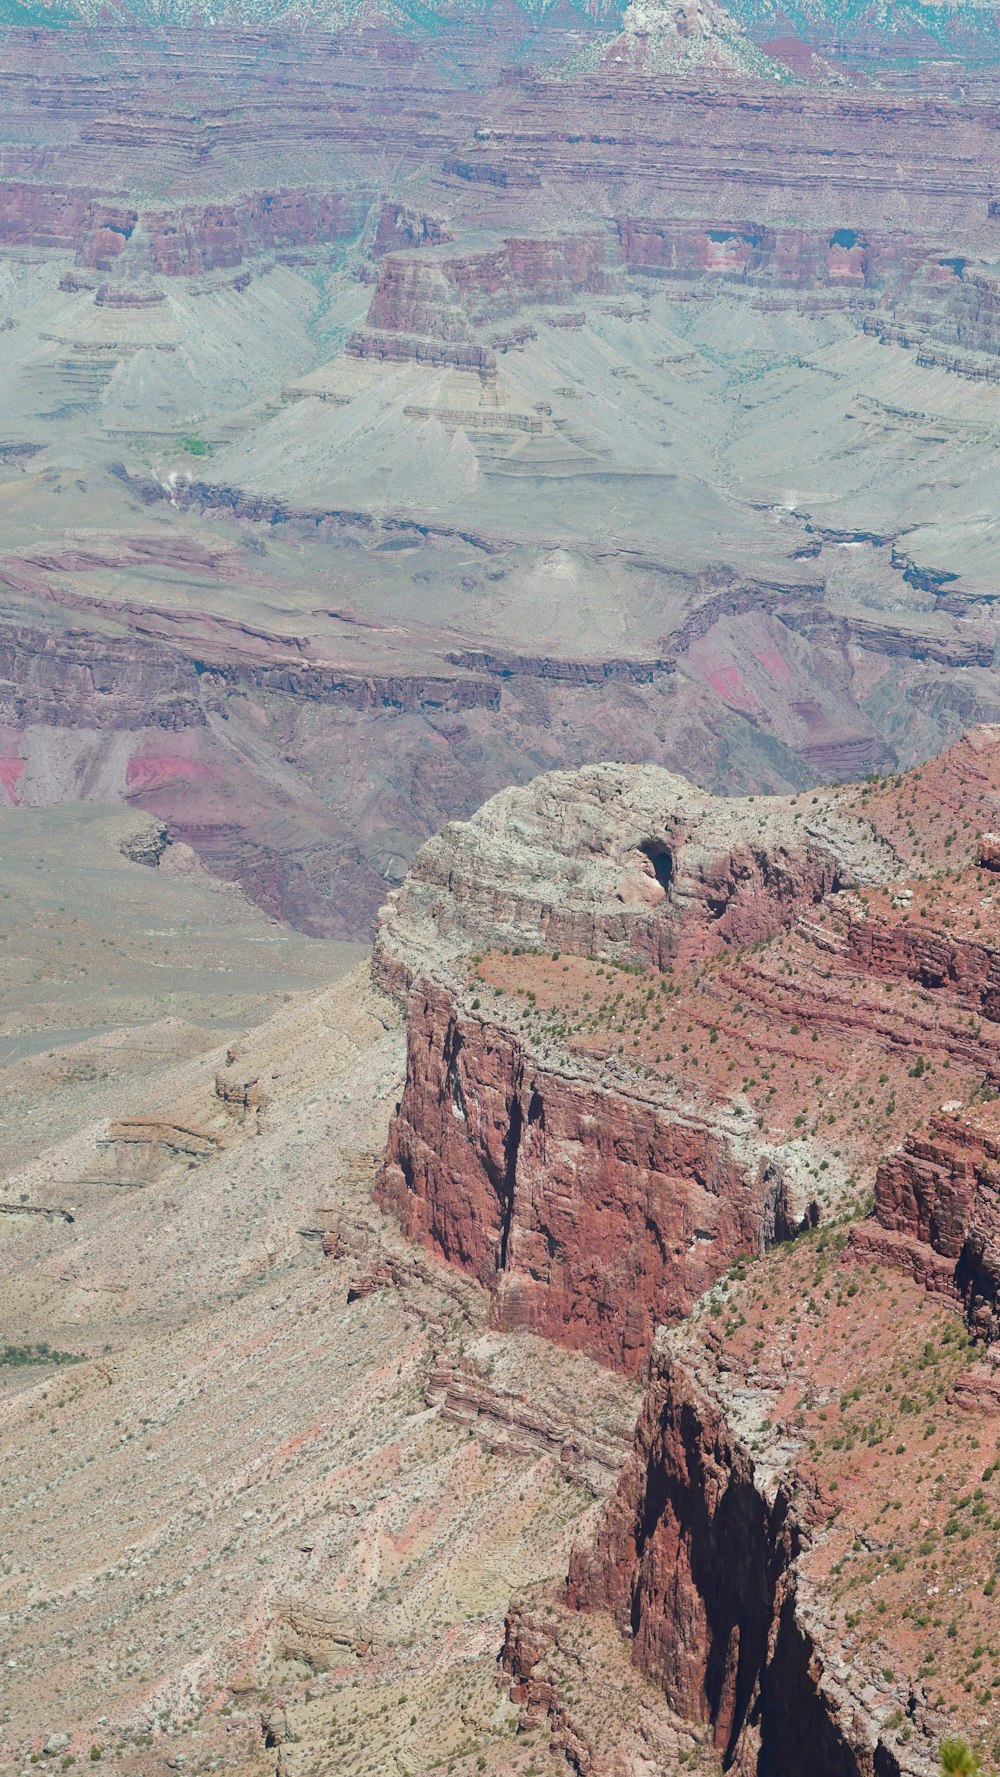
x=662, y=860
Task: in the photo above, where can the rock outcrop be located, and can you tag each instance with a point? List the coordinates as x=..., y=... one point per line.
x=699, y=1562
x=591, y=1213
x=628, y=862
x=593, y=1204
x=175, y=243
x=937, y=1211
x=593, y=1180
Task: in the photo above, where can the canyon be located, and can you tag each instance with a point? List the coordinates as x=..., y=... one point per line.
x=607, y=1276
x=500, y=917
x=361, y=486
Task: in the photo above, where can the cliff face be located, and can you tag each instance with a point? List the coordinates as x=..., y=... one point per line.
x=937, y=1211
x=184, y=242
x=591, y=1206
x=54, y=216
x=438, y=307
x=597, y=1139
x=417, y=295
x=208, y=237
x=591, y=1214
x=689, y=1557
x=59, y=678
x=741, y=250
x=767, y=1557
x=968, y=969
x=697, y=1563
x=620, y=861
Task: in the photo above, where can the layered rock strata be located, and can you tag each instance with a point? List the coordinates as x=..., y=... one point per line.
x=591, y=1213
x=769, y=1558
x=703, y=1563
x=937, y=1211
x=628, y=862
x=550, y=1144
x=592, y=1204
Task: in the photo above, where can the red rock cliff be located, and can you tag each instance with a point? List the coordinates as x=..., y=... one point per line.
x=937, y=1211
x=697, y=1563
x=591, y=1214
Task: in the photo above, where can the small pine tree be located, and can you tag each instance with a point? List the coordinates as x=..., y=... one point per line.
x=958, y=1759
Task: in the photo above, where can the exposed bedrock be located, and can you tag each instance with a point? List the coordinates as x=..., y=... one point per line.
x=209, y=237
x=433, y=295
x=967, y=969
x=428, y=307
x=180, y=242
x=591, y=1214
x=53, y=216
x=624, y=861
x=399, y=227
x=63, y=678
x=697, y=1562
x=796, y=256
x=328, y=524
x=570, y=672
x=433, y=307
x=593, y=1205
x=937, y=1211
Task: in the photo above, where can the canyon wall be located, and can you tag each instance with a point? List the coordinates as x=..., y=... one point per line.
x=60, y=678
x=182, y=242
x=592, y=1202
x=615, y=860
x=698, y=1563
x=593, y=1205
x=937, y=1211
x=591, y=1214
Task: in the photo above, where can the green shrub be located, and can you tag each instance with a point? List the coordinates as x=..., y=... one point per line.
x=958, y=1758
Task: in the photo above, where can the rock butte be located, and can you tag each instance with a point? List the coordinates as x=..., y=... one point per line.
x=594, y=1204
x=595, y=1194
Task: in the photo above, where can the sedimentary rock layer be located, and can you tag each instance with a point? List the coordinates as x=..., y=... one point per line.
x=592, y=1214
x=937, y=1211
x=549, y=1142
x=697, y=1561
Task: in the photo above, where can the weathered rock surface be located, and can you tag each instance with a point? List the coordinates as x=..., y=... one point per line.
x=593, y=1209
x=937, y=1211
x=621, y=861
x=592, y=1214
x=698, y=1561
x=596, y=1195
x=767, y=1558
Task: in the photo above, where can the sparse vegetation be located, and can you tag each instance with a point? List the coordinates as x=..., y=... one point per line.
x=15, y=1357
